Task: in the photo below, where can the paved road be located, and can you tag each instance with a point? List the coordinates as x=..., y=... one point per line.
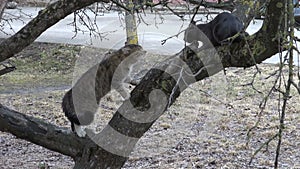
x=150, y=35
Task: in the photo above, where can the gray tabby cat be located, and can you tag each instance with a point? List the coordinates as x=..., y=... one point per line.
x=81, y=102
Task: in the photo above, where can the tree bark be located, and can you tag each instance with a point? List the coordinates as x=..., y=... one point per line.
x=39, y=132
x=130, y=21
x=228, y=5
x=2, y=7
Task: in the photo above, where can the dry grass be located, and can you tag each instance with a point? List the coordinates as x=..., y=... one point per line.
x=205, y=128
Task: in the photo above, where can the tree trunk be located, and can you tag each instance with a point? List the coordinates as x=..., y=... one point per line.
x=2, y=7
x=130, y=21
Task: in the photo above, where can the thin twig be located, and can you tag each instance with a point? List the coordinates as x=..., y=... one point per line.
x=262, y=146
x=253, y=80
x=174, y=12
x=121, y=5
x=289, y=20
x=296, y=86
x=176, y=35
x=7, y=70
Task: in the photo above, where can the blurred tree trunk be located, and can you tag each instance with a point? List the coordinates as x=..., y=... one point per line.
x=131, y=29
x=2, y=7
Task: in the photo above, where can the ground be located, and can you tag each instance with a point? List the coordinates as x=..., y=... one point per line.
x=205, y=128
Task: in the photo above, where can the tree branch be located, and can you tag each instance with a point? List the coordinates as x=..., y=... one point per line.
x=45, y=19
x=7, y=70
x=228, y=5
x=2, y=7
x=59, y=139
x=39, y=132
x=246, y=11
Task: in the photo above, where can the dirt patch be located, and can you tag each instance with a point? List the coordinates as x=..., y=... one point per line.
x=205, y=128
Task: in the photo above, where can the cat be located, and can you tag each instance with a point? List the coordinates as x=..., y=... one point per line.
x=81, y=102
x=223, y=26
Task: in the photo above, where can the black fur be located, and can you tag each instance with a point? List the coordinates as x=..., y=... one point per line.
x=223, y=26
x=86, y=118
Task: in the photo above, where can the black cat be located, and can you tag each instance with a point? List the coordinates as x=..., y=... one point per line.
x=223, y=26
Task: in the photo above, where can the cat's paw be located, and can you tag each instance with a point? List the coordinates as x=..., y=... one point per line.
x=120, y=101
x=126, y=97
x=80, y=131
x=124, y=94
x=90, y=132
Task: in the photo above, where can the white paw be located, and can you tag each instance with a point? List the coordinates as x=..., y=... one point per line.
x=79, y=131
x=124, y=94
x=126, y=97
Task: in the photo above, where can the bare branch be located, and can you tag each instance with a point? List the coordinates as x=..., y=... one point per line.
x=265, y=144
x=253, y=80
x=228, y=5
x=59, y=139
x=174, y=12
x=2, y=7
x=7, y=70
x=39, y=132
x=176, y=35
x=288, y=20
x=121, y=5
x=45, y=19
x=296, y=86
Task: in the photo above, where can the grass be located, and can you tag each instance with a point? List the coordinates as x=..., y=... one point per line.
x=197, y=131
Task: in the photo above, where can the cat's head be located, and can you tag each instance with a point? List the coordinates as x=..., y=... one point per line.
x=135, y=56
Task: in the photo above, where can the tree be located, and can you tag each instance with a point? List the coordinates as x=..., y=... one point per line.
x=2, y=6
x=131, y=29
x=7, y=69
x=197, y=65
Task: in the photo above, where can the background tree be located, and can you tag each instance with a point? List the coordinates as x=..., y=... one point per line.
x=2, y=7
x=131, y=29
